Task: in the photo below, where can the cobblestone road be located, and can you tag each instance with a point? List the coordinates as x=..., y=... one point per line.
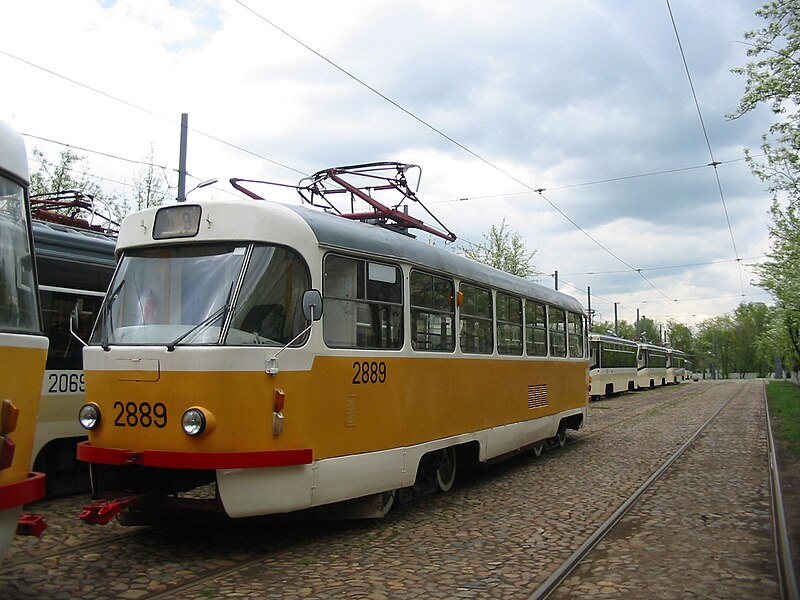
x=498, y=534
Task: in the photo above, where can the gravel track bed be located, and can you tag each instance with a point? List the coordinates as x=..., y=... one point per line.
x=499, y=533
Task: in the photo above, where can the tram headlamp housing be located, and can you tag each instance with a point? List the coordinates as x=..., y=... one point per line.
x=89, y=416
x=197, y=421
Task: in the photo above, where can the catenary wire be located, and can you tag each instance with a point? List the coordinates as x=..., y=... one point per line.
x=714, y=162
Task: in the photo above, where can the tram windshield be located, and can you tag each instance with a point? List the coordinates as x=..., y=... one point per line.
x=19, y=311
x=184, y=295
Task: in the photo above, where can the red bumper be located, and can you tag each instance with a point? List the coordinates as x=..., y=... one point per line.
x=194, y=460
x=22, y=492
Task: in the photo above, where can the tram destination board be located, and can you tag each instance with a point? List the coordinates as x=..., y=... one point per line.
x=177, y=222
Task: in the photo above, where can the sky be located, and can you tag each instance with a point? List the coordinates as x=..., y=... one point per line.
x=587, y=101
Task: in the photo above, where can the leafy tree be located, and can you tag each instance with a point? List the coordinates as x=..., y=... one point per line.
x=773, y=79
x=626, y=330
x=648, y=330
x=680, y=336
x=65, y=175
x=503, y=250
x=70, y=174
x=750, y=321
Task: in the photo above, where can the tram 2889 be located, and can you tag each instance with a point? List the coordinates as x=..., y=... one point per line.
x=285, y=358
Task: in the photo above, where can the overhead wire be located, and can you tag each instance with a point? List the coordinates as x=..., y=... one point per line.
x=713, y=162
x=447, y=137
x=439, y=132
x=151, y=113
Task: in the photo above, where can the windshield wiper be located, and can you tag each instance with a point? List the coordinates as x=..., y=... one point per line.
x=107, y=324
x=204, y=323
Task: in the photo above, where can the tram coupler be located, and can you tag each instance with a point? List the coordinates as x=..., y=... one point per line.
x=29, y=524
x=101, y=512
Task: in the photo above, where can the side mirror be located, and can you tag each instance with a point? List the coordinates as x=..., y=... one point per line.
x=73, y=318
x=312, y=305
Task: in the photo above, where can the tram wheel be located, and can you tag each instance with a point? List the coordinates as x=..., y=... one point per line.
x=446, y=469
x=387, y=502
x=537, y=449
x=561, y=436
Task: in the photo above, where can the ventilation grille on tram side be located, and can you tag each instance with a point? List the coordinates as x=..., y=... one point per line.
x=537, y=395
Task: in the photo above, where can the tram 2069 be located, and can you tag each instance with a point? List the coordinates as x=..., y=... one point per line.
x=286, y=358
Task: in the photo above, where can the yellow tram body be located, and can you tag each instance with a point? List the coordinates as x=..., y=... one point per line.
x=323, y=417
x=23, y=348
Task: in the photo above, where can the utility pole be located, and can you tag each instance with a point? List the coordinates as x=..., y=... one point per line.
x=589, y=302
x=182, y=158
x=616, y=320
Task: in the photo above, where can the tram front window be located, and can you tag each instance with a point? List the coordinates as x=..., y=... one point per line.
x=18, y=303
x=170, y=295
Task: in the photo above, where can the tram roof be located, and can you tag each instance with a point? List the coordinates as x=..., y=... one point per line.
x=13, y=158
x=69, y=243
x=337, y=232
x=607, y=337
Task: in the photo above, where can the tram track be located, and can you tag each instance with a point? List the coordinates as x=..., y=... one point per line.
x=485, y=539
x=785, y=570
x=648, y=409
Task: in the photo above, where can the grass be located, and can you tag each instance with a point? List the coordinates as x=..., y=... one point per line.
x=784, y=409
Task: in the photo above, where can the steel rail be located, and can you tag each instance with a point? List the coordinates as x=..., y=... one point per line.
x=559, y=575
x=786, y=574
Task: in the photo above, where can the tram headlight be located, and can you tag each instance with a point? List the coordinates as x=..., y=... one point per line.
x=89, y=416
x=197, y=421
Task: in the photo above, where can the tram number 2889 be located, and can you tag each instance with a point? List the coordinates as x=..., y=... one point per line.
x=369, y=372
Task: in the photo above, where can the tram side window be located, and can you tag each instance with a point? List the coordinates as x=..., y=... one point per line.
x=19, y=310
x=65, y=352
x=618, y=355
x=535, y=328
x=656, y=360
x=363, y=303
x=509, y=325
x=476, y=320
x=597, y=355
x=557, y=319
x=575, y=335
x=269, y=309
x=432, y=312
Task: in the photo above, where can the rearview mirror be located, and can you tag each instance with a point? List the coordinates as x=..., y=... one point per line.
x=312, y=305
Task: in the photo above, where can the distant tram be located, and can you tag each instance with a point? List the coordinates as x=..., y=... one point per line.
x=219, y=376
x=676, y=371
x=613, y=364
x=23, y=348
x=651, y=366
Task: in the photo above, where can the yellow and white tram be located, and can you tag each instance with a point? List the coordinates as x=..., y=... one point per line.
x=612, y=364
x=676, y=369
x=213, y=363
x=23, y=348
x=651, y=366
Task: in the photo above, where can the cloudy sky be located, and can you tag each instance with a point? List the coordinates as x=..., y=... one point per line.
x=586, y=100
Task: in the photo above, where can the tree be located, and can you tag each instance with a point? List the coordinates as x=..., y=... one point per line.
x=680, y=336
x=70, y=174
x=648, y=330
x=751, y=319
x=503, y=250
x=150, y=185
x=626, y=330
x=773, y=78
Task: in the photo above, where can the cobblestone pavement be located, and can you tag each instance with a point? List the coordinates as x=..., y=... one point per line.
x=704, y=530
x=498, y=534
